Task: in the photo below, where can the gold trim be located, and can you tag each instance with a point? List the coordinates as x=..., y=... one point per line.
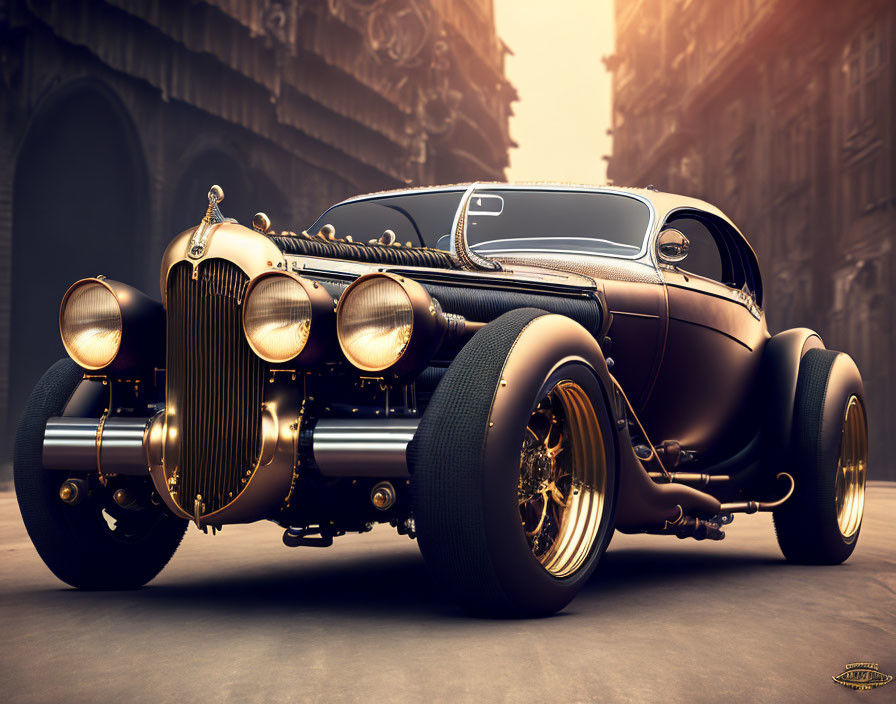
x=202, y=235
x=268, y=481
x=563, y=479
x=295, y=429
x=99, y=442
x=261, y=222
x=754, y=506
x=852, y=467
x=99, y=433
x=253, y=252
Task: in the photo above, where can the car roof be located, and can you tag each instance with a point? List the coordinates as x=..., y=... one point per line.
x=663, y=203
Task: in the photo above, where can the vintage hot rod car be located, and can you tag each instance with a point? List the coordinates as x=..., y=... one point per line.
x=508, y=373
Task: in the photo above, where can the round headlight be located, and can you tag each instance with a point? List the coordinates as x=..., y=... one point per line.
x=277, y=317
x=90, y=323
x=374, y=322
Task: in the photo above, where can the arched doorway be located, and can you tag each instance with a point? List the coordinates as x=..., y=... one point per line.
x=79, y=209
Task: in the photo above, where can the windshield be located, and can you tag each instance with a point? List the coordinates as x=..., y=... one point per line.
x=501, y=220
x=418, y=218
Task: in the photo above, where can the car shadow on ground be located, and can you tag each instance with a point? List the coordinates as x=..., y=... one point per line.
x=398, y=586
x=631, y=569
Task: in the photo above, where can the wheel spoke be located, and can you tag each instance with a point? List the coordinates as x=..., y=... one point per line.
x=561, y=483
x=557, y=496
x=536, y=531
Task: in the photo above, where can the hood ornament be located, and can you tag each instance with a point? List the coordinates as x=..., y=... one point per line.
x=213, y=216
x=213, y=213
x=460, y=248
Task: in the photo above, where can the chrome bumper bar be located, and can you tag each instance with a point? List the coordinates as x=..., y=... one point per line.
x=341, y=448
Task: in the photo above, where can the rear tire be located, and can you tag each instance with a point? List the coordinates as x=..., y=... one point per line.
x=475, y=456
x=76, y=541
x=820, y=523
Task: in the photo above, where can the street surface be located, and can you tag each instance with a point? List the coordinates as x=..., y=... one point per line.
x=241, y=618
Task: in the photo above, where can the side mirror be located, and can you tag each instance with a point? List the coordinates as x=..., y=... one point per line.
x=672, y=246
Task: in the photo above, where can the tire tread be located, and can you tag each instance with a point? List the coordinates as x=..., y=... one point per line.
x=69, y=539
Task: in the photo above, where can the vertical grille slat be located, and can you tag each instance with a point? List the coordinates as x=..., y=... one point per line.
x=215, y=383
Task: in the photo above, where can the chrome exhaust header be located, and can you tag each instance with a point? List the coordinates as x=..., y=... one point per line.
x=112, y=445
x=352, y=447
x=361, y=447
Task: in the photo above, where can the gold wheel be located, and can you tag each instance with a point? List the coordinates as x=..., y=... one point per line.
x=563, y=479
x=849, y=482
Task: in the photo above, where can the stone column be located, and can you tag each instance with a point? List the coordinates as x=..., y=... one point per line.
x=7, y=178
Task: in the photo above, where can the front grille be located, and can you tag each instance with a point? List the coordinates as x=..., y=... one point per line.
x=214, y=384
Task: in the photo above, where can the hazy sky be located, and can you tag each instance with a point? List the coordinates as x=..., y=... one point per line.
x=564, y=108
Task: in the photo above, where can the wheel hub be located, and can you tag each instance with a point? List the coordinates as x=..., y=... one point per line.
x=849, y=482
x=562, y=479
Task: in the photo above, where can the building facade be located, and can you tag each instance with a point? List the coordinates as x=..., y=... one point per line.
x=119, y=115
x=783, y=113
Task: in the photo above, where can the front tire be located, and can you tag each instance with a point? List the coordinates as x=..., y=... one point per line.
x=513, y=468
x=78, y=542
x=820, y=524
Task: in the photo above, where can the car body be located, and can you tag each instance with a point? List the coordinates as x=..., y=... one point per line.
x=509, y=371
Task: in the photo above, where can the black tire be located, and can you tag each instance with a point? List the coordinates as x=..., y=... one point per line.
x=466, y=504
x=76, y=542
x=807, y=524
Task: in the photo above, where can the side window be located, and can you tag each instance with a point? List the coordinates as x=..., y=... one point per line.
x=744, y=267
x=718, y=252
x=704, y=257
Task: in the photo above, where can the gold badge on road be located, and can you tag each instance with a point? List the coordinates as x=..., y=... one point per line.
x=862, y=675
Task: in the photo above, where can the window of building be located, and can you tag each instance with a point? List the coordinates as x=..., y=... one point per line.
x=791, y=152
x=864, y=59
x=863, y=187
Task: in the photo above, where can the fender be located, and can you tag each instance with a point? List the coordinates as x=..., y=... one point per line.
x=90, y=398
x=641, y=504
x=781, y=367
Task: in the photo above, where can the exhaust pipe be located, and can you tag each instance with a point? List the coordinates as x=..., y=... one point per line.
x=352, y=447
x=113, y=445
x=361, y=447
x=644, y=504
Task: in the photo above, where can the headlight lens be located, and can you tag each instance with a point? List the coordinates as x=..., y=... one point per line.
x=90, y=323
x=277, y=318
x=374, y=323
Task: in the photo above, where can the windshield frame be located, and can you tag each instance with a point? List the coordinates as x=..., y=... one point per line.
x=485, y=186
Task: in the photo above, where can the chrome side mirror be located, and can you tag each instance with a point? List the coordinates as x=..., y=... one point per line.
x=672, y=246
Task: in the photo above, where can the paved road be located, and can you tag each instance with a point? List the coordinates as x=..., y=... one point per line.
x=241, y=618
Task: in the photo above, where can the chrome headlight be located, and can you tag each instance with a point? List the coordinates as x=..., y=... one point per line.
x=110, y=326
x=90, y=323
x=386, y=322
x=278, y=315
